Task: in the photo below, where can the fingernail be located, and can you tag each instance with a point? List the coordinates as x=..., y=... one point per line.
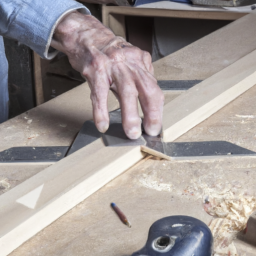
x=134, y=133
x=153, y=130
x=102, y=126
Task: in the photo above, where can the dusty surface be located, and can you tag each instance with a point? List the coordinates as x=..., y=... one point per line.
x=152, y=190
x=155, y=189
x=235, y=123
x=54, y=123
x=11, y=176
x=210, y=54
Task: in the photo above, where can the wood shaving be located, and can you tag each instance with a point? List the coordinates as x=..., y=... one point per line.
x=231, y=209
x=153, y=182
x=4, y=185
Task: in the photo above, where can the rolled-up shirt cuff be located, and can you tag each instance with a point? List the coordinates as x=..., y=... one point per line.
x=35, y=22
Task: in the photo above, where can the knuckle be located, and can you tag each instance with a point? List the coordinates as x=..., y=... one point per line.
x=132, y=119
x=147, y=55
x=94, y=63
x=154, y=92
x=138, y=51
x=85, y=73
x=115, y=55
x=154, y=99
x=97, y=63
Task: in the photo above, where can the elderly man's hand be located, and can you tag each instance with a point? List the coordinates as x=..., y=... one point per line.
x=109, y=62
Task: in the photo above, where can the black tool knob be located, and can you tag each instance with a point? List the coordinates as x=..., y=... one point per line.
x=178, y=236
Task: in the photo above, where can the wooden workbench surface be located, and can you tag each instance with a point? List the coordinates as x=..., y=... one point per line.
x=151, y=190
x=147, y=192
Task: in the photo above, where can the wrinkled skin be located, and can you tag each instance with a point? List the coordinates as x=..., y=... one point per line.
x=108, y=63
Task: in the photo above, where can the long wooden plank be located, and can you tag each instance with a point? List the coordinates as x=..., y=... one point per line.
x=210, y=54
x=154, y=12
x=34, y=204
x=113, y=16
x=205, y=99
x=37, y=202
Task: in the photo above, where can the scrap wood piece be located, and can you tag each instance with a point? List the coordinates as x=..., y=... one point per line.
x=43, y=198
x=155, y=153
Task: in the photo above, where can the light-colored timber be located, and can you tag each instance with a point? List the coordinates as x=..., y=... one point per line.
x=210, y=54
x=43, y=198
x=206, y=98
x=40, y=200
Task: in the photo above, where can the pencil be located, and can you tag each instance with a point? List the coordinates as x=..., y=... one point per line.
x=121, y=215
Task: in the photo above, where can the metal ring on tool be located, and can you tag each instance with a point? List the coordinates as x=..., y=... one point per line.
x=163, y=244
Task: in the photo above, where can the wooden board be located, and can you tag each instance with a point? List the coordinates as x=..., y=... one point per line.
x=152, y=190
x=114, y=16
x=37, y=202
x=54, y=123
x=210, y=54
x=206, y=98
x=34, y=204
x=121, y=10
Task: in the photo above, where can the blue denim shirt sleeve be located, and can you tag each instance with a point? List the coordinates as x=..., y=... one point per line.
x=32, y=22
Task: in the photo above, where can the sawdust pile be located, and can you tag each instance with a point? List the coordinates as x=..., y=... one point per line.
x=153, y=182
x=232, y=207
x=4, y=185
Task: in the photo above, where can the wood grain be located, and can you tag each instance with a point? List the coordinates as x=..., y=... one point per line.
x=210, y=54
x=70, y=181
x=65, y=184
x=206, y=98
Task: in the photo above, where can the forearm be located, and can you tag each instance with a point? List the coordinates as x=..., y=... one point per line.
x=31, y=22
